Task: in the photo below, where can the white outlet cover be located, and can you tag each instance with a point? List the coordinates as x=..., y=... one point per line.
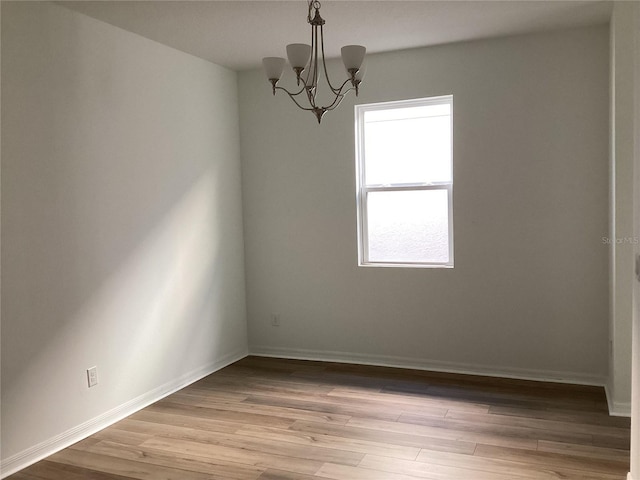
x=92, y=376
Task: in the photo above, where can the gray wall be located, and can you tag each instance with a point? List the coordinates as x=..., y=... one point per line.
x=528, y=295
x=122, y=237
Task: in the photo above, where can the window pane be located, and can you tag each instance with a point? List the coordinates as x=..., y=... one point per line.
x=407, y=150
x=408, y=226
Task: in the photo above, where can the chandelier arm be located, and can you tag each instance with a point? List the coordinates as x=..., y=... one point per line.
x=290, y=93
x=338, y=91
x=314, y=54
x=311, y=98
x=308, y=72
x=293, y=97
x=312, y=78
x=339, y=95
x=310, y=82
x=324, y=64
x=305, y=88
x=337, y=101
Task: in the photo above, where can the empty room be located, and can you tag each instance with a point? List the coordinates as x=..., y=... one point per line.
x=293, y=240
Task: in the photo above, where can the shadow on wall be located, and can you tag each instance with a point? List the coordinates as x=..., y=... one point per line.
x=158, y=312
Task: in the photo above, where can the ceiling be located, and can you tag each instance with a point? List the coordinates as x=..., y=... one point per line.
x=237, y=34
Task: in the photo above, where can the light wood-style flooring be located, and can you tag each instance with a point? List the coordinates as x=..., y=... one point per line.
x=274, y=419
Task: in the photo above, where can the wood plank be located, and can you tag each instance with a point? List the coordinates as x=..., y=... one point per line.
x=342, y=472
x=478, y=382
x=210, y=394
x=328, y=453
x=166, y=406
x=329, y=408
x=517, y=466
x=47, y=470
x=237, y=455
x=488, y=425
x=125, y=467
x=266, y=408
x=331, y=441
x=213, y=467
x=609, y=441
x=502, y=398
x=381, y=435
x=117, y=433
x=188, y=421
x=588, y=451
x=584, y=464
x=234, y=383
x=283, y=365
x=555, y=413
x=273, y=474
x=409, y=403
x=372, y=406
x=444, y=433
x=434, y=471
x=557, y=427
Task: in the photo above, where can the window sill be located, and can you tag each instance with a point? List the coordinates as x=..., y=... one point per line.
x=406, y=265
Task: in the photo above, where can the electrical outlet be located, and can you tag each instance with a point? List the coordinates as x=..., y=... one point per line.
x=275, y=320
x=92, y=376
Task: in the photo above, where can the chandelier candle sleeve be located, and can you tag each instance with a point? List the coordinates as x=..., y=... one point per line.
x=298, y=54
x=273, y=67
x=352, y=57
x=307, y=60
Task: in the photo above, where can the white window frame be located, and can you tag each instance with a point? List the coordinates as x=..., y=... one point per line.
x=362, y=189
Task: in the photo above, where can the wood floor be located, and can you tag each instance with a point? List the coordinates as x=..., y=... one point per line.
x=272, y=419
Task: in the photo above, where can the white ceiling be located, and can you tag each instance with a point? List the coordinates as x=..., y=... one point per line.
x=237, y=34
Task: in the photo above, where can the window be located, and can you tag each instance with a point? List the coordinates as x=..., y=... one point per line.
x=405, y=182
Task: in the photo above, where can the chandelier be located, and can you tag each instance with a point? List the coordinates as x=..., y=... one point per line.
x=305, y=60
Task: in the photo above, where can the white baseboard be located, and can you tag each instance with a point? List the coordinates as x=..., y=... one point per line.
x=629, y=477
x=432, y=365
x=48, y=447
x=617, y=409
